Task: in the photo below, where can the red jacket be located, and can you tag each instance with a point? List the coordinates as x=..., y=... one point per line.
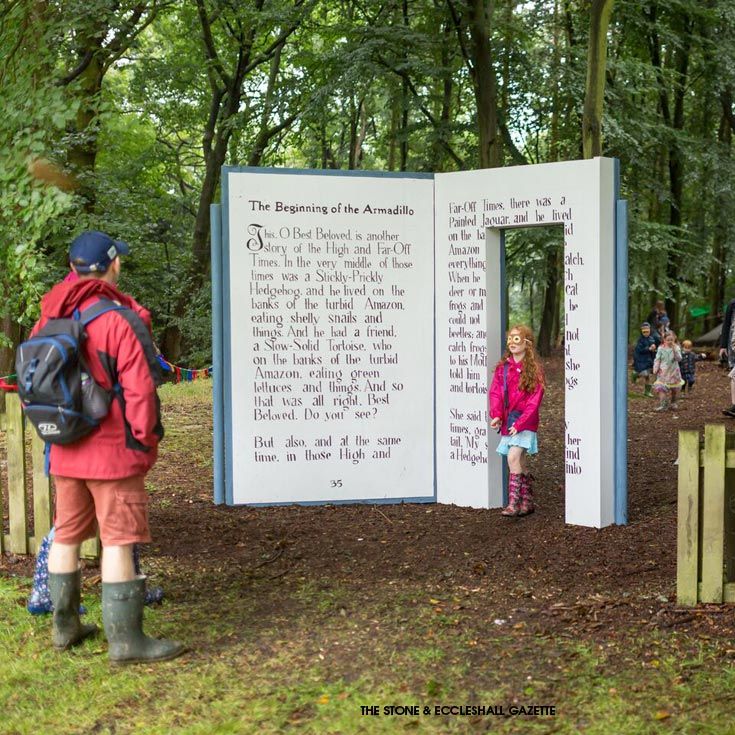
x=518, y=400
x=126, y=441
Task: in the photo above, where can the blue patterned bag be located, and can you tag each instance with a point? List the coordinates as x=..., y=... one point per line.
x=39, y=602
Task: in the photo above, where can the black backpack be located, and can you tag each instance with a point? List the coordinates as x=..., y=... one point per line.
x=59, y=396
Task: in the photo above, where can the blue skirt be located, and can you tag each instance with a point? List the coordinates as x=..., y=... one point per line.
x=525, y=439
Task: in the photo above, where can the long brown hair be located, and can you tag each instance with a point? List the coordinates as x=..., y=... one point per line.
x=531, y=373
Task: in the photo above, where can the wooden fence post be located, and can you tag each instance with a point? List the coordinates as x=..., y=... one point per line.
x=687, y=565
x=41, y=491
x=17, y=496
x=2, y=511
x=19, y=540
x=729, y=515
x=91, y=548
x=713, y=516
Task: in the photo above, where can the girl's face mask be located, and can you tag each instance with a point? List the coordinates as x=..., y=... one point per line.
x=516, y=343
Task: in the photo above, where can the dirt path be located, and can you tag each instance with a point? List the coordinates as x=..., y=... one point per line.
x=536, y=575
x=553, y=578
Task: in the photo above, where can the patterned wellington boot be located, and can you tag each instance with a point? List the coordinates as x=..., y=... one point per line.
x=527, y=505
x=514, y=495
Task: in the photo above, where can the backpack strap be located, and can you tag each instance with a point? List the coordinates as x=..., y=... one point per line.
x=89, y=315
x=506, y=402
x=98, y=309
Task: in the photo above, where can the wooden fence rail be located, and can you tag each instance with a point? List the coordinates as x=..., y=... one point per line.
x=20, y=540
x=705, y=569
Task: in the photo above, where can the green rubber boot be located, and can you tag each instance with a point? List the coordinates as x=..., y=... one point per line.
x=122, y=614
x=68, y=629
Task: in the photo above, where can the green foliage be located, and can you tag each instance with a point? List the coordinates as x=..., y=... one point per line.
x=34, y=116
x=30, y=216
x=350, y=85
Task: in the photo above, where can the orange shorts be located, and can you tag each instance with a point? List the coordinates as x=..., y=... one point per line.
x=119, y=507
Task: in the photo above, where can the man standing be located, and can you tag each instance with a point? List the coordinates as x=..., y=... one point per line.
x=100, y=478
x=727, y=349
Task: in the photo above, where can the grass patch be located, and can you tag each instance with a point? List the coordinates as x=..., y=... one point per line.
x=194, y=393
x=300, y=647
x=286, y=676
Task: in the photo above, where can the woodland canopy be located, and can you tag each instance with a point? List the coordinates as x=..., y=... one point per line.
x=139, y=104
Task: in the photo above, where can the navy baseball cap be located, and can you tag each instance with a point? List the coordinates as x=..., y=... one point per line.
x=93, y=251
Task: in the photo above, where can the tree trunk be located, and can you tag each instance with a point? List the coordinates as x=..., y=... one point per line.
x=550, y=310
x=722, y=228
x=572, y=108
x=361, y=134
x=358, y=130
x=82, y=154
x=446, y=83
x=552, y=301
x=532, y=323
x=679, y=56
x=405, y=93
x=265, y=132
x=103, y=38
x=485, y=86
x=227, y=91
x=595, y=86
x=555, y=97
x=676, y=177
x=200, y=244
x=556, y=325
x=395, y=122
x=214, y=147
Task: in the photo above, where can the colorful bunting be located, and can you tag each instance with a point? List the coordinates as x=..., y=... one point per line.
x=181, y=373
x=7, y=382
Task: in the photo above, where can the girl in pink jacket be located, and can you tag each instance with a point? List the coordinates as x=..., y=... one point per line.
x=515, y=396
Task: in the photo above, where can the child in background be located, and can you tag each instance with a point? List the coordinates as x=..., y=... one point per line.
x=668, y=376
x=643, y=356
x=515, y=394
x=664, y=327
x=688, y=366
x=657, y=312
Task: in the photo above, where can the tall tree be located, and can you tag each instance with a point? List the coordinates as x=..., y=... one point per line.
x=596, y=75
x=101, y=33
x=472, y=20
x=245, y=40
x=722, y=245
x=672, y=109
